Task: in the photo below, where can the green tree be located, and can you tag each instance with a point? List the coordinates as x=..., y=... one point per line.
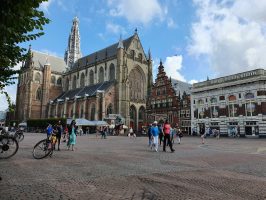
x=20, y=21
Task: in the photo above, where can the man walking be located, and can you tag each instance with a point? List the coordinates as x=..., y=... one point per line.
x=155, y=134
x=59, y=128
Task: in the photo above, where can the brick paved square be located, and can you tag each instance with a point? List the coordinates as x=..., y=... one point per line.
x=123, y=168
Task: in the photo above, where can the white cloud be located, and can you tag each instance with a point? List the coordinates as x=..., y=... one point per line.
x=136, y=11
x=45, y=5
x=171, y=23
x=251, y=10
x=51, y=53
x=193, y=81
x=231, y=33
x=101, y=35
x=155, y=64
x=62, y=5
x=172, y=67
x=115, y=28
x=12, y=91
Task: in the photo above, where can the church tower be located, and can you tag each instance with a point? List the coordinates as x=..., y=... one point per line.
x=73, y=52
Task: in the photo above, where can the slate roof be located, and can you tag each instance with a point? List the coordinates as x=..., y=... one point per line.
x=102, y=54
x=89, y=90
x=181, y=86
x=39, y=59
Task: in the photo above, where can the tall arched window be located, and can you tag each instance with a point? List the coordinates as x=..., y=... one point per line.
x=133, y=116
x=81, y=111
x=91, y=77
x=39, y=94
x=112, y=72
x=200, y=108
x=82, y=80
x=59, y=81
x=140, y=57
x=74, y=82
x=136, y=84
x=109, y=109
x=93, y=110
x=250, y=104
x=132, y=54
x=232, y=110
x=53, y=80
x=141, y=113
x=101, y=75
x=71, y=113
x=67, y=84
x=37, y=77
x=214, y=108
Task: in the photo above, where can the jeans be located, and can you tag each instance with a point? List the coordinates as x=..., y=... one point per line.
x=167, y=137
x=155, y=142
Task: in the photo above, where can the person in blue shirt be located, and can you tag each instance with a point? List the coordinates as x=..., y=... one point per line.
x=155, y=134
x=49, y=130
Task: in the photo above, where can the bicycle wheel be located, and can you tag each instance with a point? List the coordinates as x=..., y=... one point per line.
x=8, y=147
x=42, y=149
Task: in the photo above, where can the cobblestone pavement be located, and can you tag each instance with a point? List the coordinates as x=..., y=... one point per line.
x=123, y=168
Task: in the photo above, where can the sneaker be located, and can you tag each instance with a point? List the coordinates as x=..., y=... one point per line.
x=172, y=150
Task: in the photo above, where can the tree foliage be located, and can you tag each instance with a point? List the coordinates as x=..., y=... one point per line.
x=20, y=21
x=43, y=123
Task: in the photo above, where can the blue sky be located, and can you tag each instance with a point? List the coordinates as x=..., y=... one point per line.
x=194, y=38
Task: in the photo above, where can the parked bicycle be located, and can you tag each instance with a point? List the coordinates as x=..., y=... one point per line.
x=8, y=145
x=44, y=147
x=19, y=136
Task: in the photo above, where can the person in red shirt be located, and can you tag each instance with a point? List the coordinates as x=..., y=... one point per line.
x=166, y=133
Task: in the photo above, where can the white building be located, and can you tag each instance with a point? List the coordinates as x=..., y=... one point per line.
x=232, y=104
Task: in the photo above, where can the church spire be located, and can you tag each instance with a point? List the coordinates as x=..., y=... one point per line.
x=149, y=55
x=28, y=60
x=73, y=52
x=120, y=44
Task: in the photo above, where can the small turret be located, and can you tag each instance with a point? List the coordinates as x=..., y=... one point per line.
x=120, y=43
x=28, y=60
x=161, y=67
x=47, y=63
x=149, y=55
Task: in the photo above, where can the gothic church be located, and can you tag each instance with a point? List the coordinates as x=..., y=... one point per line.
x=114, y=80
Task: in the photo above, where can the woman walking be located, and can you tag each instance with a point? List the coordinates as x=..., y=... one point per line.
x=203, y=134
x=72, y=135
x=166, y=133
x=179, y=136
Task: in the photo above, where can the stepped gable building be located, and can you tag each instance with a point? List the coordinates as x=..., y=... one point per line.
x=114, y=80
x=39, y=81
x=185, y=112
x=164, y=102
x=183, y=90
x=231, y=104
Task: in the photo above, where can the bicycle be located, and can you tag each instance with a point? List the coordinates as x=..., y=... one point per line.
x=19, y=136
x=44, y=147
x=8, y=145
